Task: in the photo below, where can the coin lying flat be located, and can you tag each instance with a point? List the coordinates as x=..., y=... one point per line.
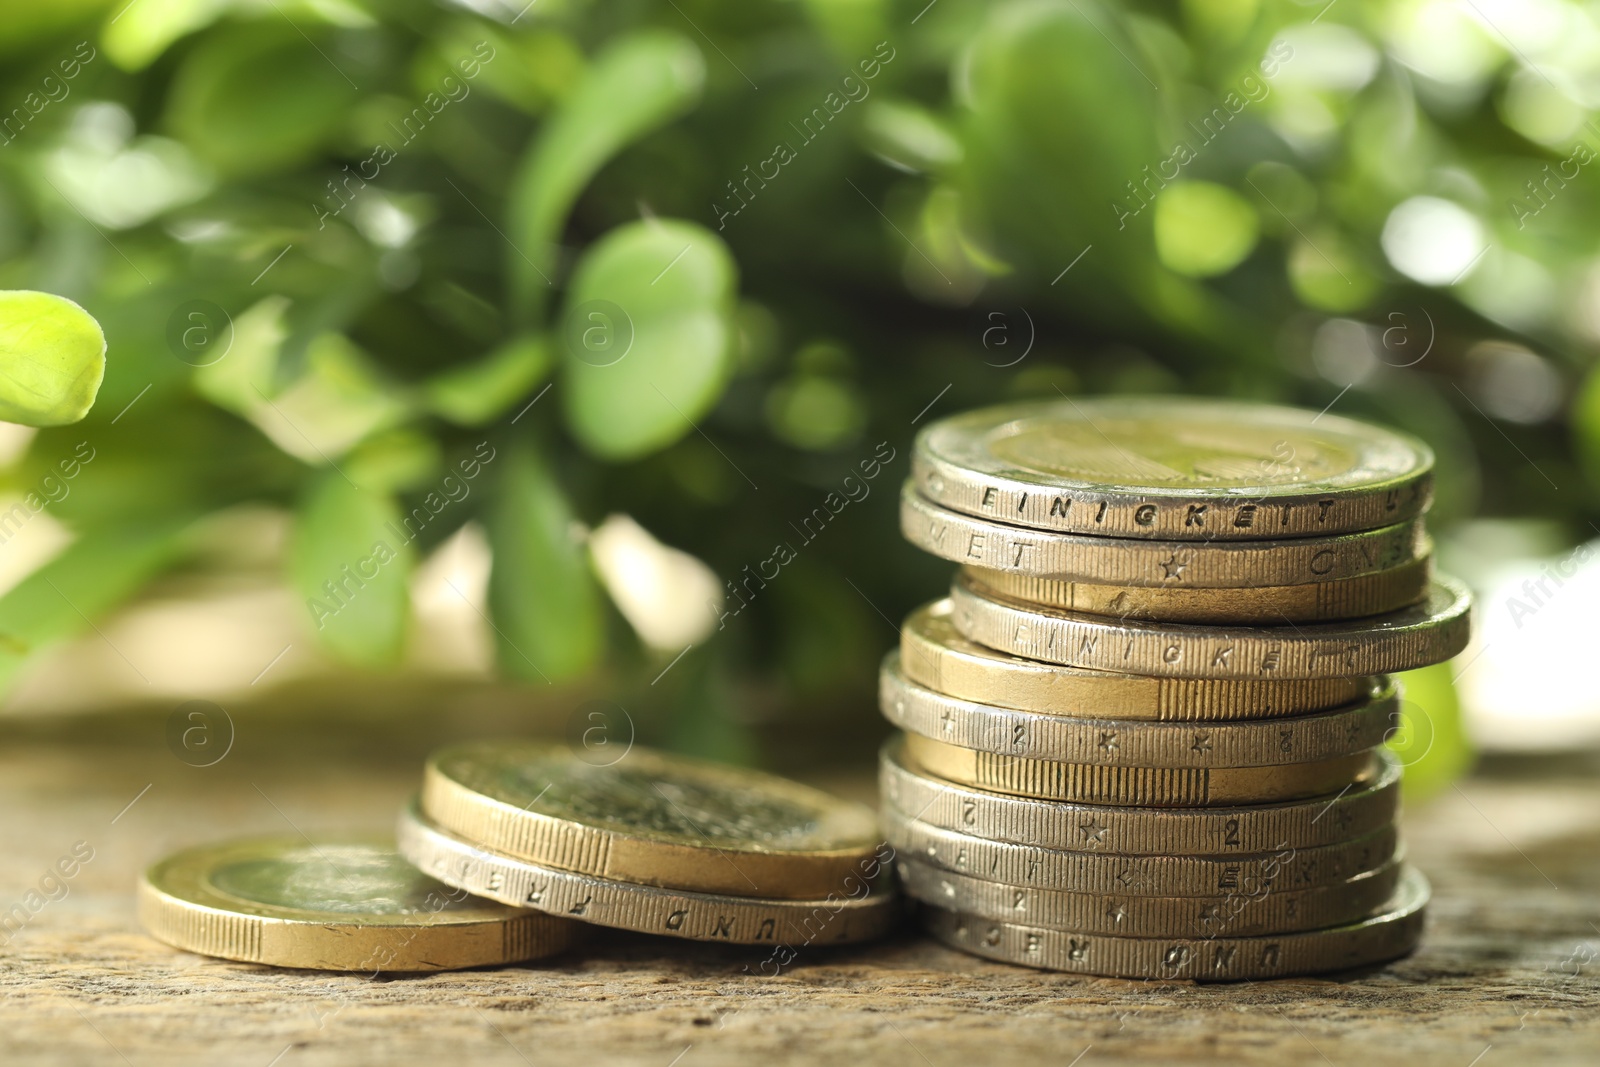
x=340, y=904
x=1165, y=564
x=1171, y=467
x=865, y=905
x=1061, y=826
x=1028, y=867
x=1153, y=787
x=935, y=654
x=1116, y=742
x=649, y=818
x=1430, y=632
x=1391, y=933
x=1264, y=912
x=1346, y=598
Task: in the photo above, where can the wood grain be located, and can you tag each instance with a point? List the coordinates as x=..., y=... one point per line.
x=1507, y=973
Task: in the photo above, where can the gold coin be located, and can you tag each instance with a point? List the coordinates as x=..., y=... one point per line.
x=1068, y=827
x=1391, y=933
x=649, y=818
x=1151, y=787
x=1164, y=564
x=1172, y=467
x=1267, y=911
x=1430, y=632
x=865, y=905
x=936, y=655
x=1131, y=743
x=1028, y=867
x=339, y=904
x=1346, y=598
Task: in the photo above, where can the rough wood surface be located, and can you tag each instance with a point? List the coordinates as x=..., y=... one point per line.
x=1507, y=973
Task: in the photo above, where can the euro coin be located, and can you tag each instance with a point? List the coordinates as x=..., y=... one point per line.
x=1141, y=875
x=1119, y=784
x=1068, y=827
x=933, y=653
x=336, y=904
x=1164, y=564
x=1129, y=742
x=649, y=818
x=1172, y=467
x=1389, y=934
x=1430, y=632
x=1265, y=912
x=1267, y=605
x=864, y=906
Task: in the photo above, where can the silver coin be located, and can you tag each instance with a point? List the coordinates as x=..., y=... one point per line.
x=1009, y=732
x=1142, y=875
x=1172, y=467
x=1162, y=564
x=1431, y=632
x=1069, y=827
x=1391, y=933
x=865, y=907
x=1239, y=915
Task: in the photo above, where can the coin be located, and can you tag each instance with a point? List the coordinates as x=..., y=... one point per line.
x=1155, y=787
x=1117, y=742
x=649, y=818
x=1346, y=598
x=1430, y=632
x=1264, y=912
x=1062, y=826
x=864, y=906
x=935, y=654
x=1146, y=876
x=1165, y=564
x=1171, y=467
x=1391, y=933
x=337, y=904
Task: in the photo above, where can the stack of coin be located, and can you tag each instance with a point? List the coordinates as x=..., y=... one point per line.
x=1143, y=736
x=653, y=843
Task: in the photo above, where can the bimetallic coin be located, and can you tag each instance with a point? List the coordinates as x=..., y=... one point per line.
x=1164, y=564
x=1145, y=876
x=1265, y=912
x=1152, y=787
x=649, y=818
x=1430, y=632
x=1346, y=598
x=864, y=906
x=1391, y=933
x=1068, y=827
x=935, y=654
x=1171, y=467
x=1123, y=742
x=338, y=904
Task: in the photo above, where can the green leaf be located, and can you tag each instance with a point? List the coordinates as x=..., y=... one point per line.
x=52, y=357
x=648, y=336
x=259, y=98
x=543, y=598
x=638, y=84
x=478, y=393
x=1430, y=741
x=351, y=561
x=1203, y=229
x=95, y=574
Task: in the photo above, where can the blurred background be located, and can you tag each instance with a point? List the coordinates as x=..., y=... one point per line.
x=563, y=358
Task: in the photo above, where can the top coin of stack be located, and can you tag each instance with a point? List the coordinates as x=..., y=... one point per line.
x=1166, y=647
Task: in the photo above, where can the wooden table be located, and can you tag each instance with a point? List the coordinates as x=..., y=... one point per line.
x=1507, y=974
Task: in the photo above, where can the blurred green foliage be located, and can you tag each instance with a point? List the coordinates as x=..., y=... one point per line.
x=337, y=245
